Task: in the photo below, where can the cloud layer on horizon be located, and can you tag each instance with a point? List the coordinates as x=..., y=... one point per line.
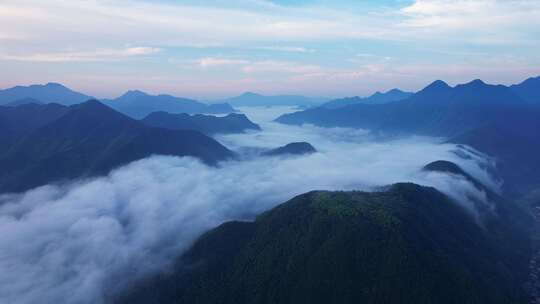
x=424, y=39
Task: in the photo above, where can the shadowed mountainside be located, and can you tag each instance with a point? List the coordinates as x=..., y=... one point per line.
x=207, y=124
x=17, y=121
x=529, y=90
x=377, y=98
x=437, y=110
x=514, y=141
x=23, y=101
x=86, y=140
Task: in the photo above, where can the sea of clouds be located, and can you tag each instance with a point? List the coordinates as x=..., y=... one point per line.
x=84, y=241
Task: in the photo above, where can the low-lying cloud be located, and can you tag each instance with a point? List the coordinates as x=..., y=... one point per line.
x=85, y=241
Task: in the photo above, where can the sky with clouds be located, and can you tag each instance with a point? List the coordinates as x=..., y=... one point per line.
x=218, y=48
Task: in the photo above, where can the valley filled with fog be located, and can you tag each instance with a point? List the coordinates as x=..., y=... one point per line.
x=83, y=241
x=269, y=152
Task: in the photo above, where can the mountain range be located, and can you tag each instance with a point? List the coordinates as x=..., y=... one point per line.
x=48, y=93
x=495, y=119
x=437, y=110
x=58, y=93
x=377, y=98
x=52, y=143
x=138, y=105
x=207, y=124
x=250, y=99
x=400, y=243
x=134, y=103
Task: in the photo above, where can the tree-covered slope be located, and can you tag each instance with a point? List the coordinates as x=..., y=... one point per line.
x=406, y=244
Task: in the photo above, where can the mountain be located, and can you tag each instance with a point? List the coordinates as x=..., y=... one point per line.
x=18, y=121
x=377, y=98
x=489, y=118
x=90, y=139
x=502, y=217
x=506, y=208
x=297, y=148
x=437, y=110
x=443, y=166
x=529, y=90
x=514, y=142
x=403, y=244
x=256, y=100
x=138, y=105
x=207, y=124
x=48, y=93
x=23, y=101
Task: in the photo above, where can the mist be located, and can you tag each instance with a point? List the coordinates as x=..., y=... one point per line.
x=84, y=241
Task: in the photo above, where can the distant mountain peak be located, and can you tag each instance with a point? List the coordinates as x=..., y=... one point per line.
x=479, y=85
x=529, y=89
x=51, y=92
x=436, y=87
x=133, y=94
x=437, y=84
x=55, y=85
x=250, y=94
x=529, y=81
x=476, y=83
x=395, y=91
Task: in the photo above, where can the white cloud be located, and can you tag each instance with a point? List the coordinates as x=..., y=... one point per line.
x=271, y=66
x=292, y=49
x=93, y=56
x=107, y=22
x=479, y=21
x=217, y=62
x=82, y=242
x=229, y=33
x=47, y=25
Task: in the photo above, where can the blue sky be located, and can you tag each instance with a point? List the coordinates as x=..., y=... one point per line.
x=218, y=48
